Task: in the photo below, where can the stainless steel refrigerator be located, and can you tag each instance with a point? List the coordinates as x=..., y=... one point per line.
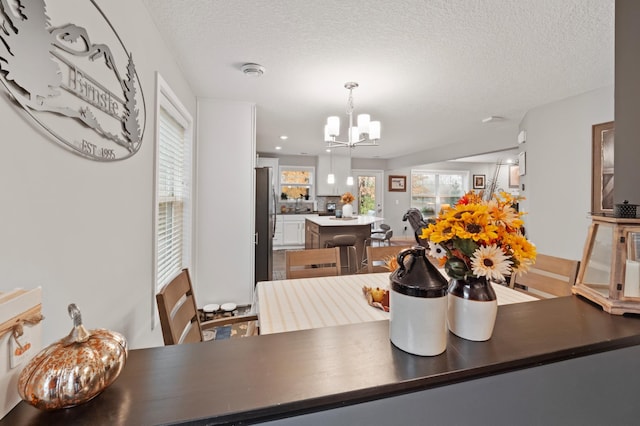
x=265, y=223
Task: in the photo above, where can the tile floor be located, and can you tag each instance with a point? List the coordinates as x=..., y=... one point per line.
x=278, y=265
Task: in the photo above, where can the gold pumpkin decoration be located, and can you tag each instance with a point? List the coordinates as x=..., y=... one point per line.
x=74, y=369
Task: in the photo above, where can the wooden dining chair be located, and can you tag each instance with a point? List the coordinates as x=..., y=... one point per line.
x=548, y=277
x=377, y=255
x=310, y=263
x=179, y=313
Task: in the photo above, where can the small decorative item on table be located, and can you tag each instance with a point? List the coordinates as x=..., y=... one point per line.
x=477, y=241
x=377, y=297
x=74, y=369
x=347, y=209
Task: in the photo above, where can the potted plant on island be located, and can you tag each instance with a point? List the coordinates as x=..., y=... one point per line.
x=347, y=209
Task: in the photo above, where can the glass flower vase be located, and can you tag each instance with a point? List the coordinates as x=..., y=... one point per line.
x=472, y=308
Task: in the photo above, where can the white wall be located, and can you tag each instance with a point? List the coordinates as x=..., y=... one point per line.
x=488, y=139
x=396, y=204
x=82, y=229
x=225, y=223
x=627, y=92
x=558, y=166
x=558, y=173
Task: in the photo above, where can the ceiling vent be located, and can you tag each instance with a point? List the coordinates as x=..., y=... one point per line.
x=253, y=70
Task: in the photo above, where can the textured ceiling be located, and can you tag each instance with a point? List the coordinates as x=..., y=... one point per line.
x=429, y=70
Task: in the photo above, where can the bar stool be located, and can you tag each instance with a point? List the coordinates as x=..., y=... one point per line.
x=382, y=229
x=381, y=238
x=346, y=242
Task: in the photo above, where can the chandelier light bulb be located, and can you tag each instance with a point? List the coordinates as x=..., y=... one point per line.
x=327, y=136
x=350, y=181
x=363, y=122
x=374, y=130
x=333, y=125
x=331, y=179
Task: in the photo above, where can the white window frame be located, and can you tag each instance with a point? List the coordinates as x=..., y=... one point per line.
x=311, y=184
x=464, y=174
x=167, y=100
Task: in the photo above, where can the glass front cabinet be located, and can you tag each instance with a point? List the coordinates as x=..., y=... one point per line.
x=609, y=272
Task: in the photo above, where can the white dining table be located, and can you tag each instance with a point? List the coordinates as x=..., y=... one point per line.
x=299, y=304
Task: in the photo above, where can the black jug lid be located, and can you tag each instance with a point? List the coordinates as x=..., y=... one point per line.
x=418, y=277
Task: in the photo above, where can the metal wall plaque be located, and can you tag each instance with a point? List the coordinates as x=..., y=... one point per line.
x=77, y=81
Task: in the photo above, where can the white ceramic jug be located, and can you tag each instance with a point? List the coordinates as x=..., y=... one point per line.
x=418, y=305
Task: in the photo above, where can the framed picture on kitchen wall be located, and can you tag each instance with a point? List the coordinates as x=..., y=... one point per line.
x=602, y=167
x=397, y=183
x=522, y=163
x=479, y=181
x=514, y=176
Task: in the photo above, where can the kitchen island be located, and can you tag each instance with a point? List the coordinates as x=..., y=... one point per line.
x=320, y=229
x=555, y=361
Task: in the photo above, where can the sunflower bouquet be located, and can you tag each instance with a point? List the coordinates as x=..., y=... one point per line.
x=347, y=198
x=478, y=238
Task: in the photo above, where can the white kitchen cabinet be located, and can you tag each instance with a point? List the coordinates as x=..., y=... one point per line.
x=292, y=233
x=293, y=230
x=341, y=168
x=290, y=230
x=277, y=235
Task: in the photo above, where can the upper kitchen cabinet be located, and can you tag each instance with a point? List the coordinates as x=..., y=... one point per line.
x=269, y=162
x=340, y=165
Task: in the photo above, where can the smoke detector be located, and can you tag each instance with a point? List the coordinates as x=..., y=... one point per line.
x=253, y=70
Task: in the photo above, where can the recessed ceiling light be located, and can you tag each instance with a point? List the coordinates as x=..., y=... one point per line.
x=328, y=149
x=278, y=147
x=509, y=160
x=284, y=137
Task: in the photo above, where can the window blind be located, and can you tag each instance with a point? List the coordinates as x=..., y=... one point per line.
x=173, y=188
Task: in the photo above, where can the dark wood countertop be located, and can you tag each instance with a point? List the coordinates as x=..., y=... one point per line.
x=279, y=375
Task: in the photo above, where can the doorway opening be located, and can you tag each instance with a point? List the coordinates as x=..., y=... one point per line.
x=370, y=192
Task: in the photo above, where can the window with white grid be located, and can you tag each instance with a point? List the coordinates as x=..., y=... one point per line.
x=173, y=188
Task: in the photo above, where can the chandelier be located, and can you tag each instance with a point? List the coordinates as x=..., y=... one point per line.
x=366, y=133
